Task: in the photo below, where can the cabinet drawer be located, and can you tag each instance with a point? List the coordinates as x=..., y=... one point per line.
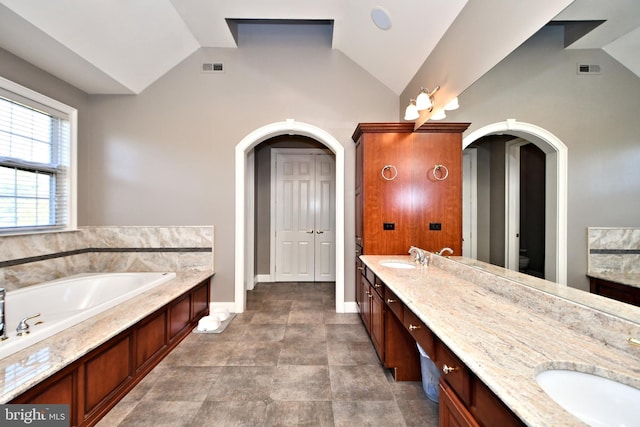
x=394, y=303
x=369, y=275
x=378, y=285
x=419, y=331
x=454, y=372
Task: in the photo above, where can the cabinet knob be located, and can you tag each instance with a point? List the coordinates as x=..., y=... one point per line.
x=413, y=327
x=390, y=301
x=448, y=369
x=370, y=296
x=377, y=285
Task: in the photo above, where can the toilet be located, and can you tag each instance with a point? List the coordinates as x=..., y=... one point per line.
x=524, y=260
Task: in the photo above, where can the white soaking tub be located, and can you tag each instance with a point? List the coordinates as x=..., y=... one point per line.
x=65, y=302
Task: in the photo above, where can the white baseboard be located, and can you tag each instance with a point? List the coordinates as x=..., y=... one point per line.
x=350, y=307
x=264, y=278
x=221, y=306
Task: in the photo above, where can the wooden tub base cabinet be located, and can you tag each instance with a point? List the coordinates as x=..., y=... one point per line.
x=93, y=384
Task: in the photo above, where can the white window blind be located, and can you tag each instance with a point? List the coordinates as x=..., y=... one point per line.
x=35, y=148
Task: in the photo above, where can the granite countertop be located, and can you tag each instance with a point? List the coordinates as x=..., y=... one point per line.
x=506, y=332
x=30, y=366
x=629, y=279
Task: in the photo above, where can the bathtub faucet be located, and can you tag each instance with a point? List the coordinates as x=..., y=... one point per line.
x=3, y=317
x=23, y=326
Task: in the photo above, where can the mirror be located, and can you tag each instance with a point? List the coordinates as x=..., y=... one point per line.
x=597, y=302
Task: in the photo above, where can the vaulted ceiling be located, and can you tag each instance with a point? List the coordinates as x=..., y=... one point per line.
x=121, y=47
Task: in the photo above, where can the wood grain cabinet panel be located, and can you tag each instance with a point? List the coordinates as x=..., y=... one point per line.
x=151, y=339
x=200, y=300
x=179, y=315
x=453, y=412
x=616, y=291
x=107, y=372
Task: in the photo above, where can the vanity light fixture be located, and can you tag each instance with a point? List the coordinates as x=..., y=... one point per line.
x=411, y=113
x=426, y=101
x=439, y=115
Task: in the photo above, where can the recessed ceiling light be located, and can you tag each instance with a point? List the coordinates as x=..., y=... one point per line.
x=381, y=18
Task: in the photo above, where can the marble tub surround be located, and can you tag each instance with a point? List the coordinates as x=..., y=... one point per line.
x=31, y=259
x=26, y=368
x=614, y=250
x=506, y=332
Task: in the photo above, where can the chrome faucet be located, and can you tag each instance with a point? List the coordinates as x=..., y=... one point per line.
x=419, y=255
x=3, y=316
x=23, y=326
x=443, y=250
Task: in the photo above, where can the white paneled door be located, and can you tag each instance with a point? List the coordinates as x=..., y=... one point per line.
x=304, y=217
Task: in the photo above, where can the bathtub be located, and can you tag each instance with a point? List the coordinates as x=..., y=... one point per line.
x=65, y=302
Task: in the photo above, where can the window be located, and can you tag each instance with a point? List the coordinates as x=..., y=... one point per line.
x=37, y=136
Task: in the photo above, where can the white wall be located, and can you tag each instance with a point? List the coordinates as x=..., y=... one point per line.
x=166, y=156
x=596, y=116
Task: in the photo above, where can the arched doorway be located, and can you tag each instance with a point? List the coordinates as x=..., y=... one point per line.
x=556, y=197
x=244, y=194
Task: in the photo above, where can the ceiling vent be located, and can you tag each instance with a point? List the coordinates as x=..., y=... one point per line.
x=588, y=69
x=212, y=67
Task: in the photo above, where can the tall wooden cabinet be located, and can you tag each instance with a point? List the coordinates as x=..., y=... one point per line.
x=408, y=187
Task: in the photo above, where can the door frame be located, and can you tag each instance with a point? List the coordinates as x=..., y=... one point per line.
x=272, y=209
x=512, y=204
x=244, y=212
x=556, y=177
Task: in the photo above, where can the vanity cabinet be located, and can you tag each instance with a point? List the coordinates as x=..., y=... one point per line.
x=408, y=187
x=94, y=383
x=464, y=399
x=393, y=344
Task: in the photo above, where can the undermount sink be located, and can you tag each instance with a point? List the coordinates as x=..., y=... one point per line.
x=595, y=400
x=398, y=264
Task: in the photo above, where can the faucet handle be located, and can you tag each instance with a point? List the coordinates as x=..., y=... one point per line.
x=23, y=327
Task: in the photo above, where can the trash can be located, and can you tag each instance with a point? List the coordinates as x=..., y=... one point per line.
x=430, y=375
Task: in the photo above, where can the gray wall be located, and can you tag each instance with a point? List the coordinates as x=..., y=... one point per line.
x=166, y=156
x=595, y=116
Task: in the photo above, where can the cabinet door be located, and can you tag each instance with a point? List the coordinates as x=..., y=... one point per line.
x=436, y=199
x=359, y=291
x=452, y=411
x=386, y=192
x=365, y=307
x=377, y=323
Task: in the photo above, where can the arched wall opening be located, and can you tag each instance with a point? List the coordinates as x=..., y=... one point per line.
x=557, y=167
x=244, y=208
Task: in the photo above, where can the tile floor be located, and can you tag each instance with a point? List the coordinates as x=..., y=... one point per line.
x=290, y=359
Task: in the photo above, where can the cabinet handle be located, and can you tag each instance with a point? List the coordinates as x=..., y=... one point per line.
x=370, y=296
x=309, y=231
x=360, y=268
x=448, y=369
x=438, y=174
x=413, y=327
x=394, y=172
x=390, y=301
x=319, y=232
x=377, y=285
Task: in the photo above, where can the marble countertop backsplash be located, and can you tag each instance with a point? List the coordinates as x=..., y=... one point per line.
x=506, y=332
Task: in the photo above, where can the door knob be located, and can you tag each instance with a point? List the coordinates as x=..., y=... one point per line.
x=319, y=231
x=310, y=231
